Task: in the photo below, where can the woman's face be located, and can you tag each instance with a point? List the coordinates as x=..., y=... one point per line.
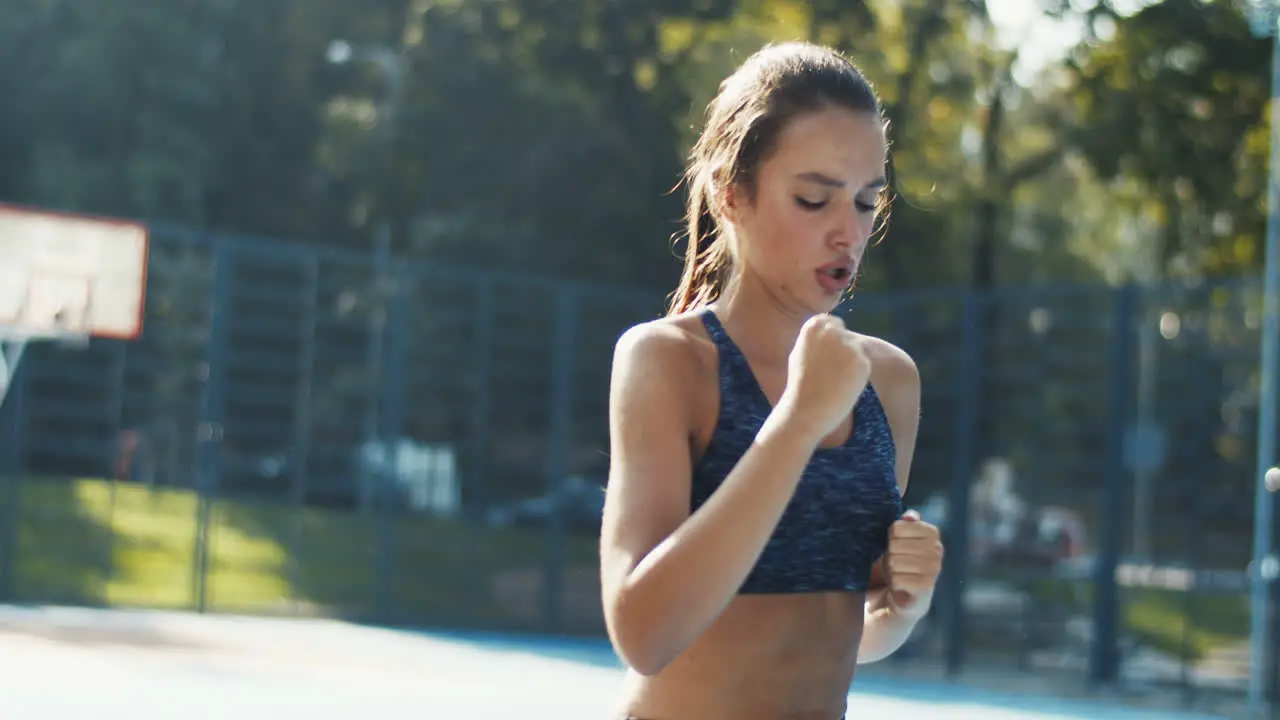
x=802, y=236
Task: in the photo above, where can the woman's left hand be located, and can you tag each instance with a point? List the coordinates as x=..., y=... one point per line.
x=912, y=561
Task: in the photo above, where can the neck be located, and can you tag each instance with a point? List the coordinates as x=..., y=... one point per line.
x=760, y=322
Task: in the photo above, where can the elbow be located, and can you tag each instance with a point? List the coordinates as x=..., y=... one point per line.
x=870, y=656
x=645, y=661
x=636, y=636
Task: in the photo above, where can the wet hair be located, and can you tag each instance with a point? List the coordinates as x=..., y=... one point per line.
x=772, y=87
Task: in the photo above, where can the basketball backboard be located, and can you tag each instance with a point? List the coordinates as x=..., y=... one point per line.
x=67, y=275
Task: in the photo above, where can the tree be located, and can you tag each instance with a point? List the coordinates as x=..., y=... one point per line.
x=1173, y=97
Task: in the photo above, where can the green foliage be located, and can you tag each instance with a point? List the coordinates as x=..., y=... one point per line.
x=1174, y=99
x=548, y=136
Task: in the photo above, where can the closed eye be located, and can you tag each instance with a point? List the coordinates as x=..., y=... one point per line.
x=814, y=205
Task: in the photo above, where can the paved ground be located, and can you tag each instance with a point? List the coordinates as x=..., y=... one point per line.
x=71, y=663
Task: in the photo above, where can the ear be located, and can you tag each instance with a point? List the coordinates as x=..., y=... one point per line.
x=728, y=200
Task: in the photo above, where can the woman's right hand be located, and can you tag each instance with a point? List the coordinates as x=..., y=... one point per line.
x=826, y=374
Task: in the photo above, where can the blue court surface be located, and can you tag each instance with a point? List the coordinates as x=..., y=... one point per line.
x=60, y=663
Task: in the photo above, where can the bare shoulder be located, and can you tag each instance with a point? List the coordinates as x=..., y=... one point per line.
x=673, y=346
x=668, y=334
x=659, y=367
x=893, y=370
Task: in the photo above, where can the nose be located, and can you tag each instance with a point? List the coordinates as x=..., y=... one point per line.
x=849, y=233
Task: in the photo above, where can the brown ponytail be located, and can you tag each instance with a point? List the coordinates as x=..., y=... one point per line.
x=706, y=257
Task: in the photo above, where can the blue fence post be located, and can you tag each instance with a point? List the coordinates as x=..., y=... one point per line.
x=483, y=349
x=1104, y=655
x=396, y=335
x=371, y=472
x=212, y=405
x=967, y=419
x=119, y=367
x=12, y=467
x=559, y=444
x=303, y=392
x=300, y=454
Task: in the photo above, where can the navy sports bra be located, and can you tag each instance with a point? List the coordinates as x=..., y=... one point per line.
x=837, y=522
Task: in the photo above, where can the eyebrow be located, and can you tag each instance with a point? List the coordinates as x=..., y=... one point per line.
x=827, y=180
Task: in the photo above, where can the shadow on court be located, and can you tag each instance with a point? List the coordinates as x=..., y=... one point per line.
x=872, y=685
x=251, y=663
x=584, y=651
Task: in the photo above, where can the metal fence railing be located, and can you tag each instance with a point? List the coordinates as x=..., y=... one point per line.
x=306, y=430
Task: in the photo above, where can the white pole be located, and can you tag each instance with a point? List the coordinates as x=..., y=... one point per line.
x=1263, y=560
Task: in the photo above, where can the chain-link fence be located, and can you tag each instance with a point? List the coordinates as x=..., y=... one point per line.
x=308, y=431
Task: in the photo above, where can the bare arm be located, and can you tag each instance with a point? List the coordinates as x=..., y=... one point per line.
x=665, y=574
x=886, y=628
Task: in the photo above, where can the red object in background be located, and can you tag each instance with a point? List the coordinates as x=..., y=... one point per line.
x=128, y=442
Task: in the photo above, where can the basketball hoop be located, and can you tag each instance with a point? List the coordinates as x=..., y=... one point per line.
x=66, y=279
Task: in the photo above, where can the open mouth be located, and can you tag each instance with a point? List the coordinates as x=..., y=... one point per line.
x=838, y=273
x=835, y=278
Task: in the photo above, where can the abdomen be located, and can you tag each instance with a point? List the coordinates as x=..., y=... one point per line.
x=767, y=655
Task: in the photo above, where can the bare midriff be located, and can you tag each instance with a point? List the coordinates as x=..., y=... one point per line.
x=767, y=657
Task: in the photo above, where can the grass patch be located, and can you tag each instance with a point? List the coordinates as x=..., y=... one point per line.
x=1181, y=624
x=1167, y=620
x=89, y=541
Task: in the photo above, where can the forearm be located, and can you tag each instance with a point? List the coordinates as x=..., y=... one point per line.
x=887, y=627
x=684, y=583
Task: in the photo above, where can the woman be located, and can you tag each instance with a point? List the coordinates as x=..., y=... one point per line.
x=753, y=550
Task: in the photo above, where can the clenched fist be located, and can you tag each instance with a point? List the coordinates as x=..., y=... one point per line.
x=912, y=562
x=826, y=373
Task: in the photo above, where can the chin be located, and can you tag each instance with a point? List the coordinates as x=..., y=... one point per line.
x=824, y=305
